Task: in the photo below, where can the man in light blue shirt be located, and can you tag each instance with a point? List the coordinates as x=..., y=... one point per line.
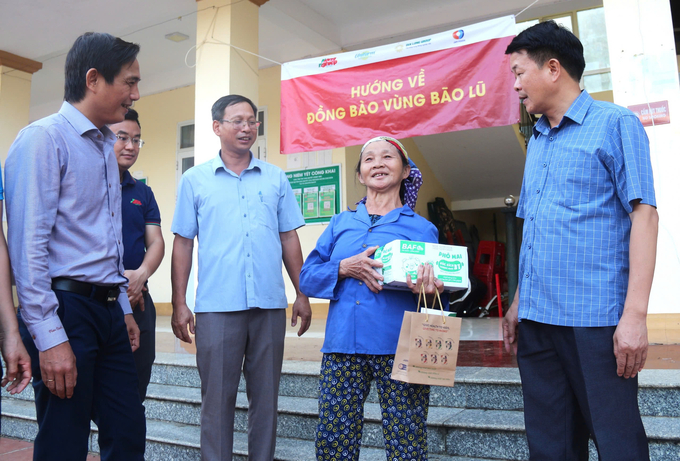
x=65, y=244
x=245, y=216
x=587, y=258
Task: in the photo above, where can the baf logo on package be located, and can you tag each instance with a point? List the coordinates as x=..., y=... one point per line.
x=403, y=257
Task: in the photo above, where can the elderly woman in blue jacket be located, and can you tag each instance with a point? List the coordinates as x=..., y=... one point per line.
x=364, y=319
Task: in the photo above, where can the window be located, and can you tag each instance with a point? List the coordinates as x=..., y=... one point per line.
x=186, y=136
x=593, y=35
x=185, y=148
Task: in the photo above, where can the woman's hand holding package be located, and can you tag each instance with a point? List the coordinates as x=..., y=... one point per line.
x=362, y=267
x=426, y=278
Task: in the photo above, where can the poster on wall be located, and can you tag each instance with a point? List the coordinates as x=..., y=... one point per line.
x=317, y=191
x=451, y=81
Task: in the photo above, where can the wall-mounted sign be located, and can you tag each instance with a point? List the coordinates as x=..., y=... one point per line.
x=317, y=191
x=654, y=113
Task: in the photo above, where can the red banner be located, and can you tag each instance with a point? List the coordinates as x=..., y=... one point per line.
x=460, y=88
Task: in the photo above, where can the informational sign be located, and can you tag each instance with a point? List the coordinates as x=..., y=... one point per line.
x=317, y=191
x=654, y=113
x=450, y=81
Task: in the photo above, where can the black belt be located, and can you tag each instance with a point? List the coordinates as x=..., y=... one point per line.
x=101, y=293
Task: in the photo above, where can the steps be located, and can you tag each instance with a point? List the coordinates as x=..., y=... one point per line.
x=479, y=419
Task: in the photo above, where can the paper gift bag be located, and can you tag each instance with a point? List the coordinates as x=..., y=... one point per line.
x=428, y=348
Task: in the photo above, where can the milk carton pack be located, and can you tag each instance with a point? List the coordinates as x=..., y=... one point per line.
x=402, y=257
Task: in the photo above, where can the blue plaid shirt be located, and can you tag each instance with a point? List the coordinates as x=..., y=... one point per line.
x=579, y=181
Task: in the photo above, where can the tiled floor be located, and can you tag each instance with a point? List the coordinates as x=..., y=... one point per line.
x=18, y=450
x=481, y=345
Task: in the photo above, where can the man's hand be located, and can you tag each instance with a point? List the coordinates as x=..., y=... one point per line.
x=58, y=370
x=302, y=309
x=510, y=326
x=362, y=267
x=133, y=331
x=18, y=363
x=630, y=345
x=182, y=317
x=137, y=280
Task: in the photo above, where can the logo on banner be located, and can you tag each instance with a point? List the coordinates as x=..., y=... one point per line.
x=419, y=43
x=458, y=34
x=325, y=62
x=364, y=55
x=399, y=48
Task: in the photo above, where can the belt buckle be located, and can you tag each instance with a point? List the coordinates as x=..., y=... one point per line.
x=112, y=296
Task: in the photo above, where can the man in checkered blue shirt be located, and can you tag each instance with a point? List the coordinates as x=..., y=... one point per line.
x=578, y=321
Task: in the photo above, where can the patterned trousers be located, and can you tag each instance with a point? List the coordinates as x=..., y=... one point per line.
x=344, y=385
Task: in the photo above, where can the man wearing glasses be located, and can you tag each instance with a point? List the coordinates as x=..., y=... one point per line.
x=142, y=240
x=246, y=214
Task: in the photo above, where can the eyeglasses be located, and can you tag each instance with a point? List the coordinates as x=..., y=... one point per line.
x=135, y=141
x=238, y=124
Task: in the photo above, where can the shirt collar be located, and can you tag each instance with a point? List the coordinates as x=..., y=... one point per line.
x=81, y=123
x=361, y=214
x=128, y=180
x=576, y=113
x=217, y=163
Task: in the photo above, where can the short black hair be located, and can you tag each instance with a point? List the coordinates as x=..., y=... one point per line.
x=133, y=116
x=548, y=40
x=92, y=50
x=226, y=101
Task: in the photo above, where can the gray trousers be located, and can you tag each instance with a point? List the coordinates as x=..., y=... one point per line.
x=225, y=342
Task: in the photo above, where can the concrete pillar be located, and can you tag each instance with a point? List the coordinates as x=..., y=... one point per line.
x=644, y=70
x=221, y=69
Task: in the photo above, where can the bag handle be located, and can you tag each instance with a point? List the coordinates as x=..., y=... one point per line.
x=421, y=294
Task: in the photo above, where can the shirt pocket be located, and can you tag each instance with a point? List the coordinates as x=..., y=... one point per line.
x=267, y=208
x=579, y=180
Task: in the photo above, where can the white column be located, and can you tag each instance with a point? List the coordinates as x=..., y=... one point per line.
x=645, y=70
x=221, y=69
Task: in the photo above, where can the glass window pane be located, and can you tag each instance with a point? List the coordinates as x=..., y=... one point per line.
x=593, y=34
x=564, y=21
x=187, y=163
x=260, y=118
x=186, y=137
x=598, y=82
x=525, y=25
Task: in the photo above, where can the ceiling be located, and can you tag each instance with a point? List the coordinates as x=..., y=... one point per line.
x=471, y=165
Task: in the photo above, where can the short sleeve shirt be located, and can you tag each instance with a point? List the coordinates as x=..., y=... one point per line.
x=139, y=210
x=237, y=219
x=580, y=181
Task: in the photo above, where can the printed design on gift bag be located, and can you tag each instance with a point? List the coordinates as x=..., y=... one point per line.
x=427, y=348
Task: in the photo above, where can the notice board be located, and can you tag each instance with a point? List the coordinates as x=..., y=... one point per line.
x=317, y=191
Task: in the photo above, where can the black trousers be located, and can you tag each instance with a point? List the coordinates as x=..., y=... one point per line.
x=571, y=392
x=105, y=392
x=146, y=354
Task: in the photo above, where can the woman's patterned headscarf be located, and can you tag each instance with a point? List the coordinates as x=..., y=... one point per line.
x=412, y=183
